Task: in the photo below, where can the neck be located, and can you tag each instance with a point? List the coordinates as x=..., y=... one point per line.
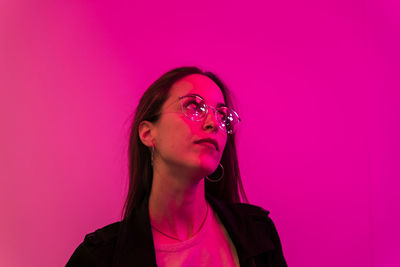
x=177, y=205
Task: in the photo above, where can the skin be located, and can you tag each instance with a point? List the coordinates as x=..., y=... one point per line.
x=177, y=204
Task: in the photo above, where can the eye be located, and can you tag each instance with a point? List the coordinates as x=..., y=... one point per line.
x=193, y=106
x=226, y=117
x=224, y=114
x=191, y=103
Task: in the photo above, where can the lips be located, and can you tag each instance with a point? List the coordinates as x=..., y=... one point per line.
x=208, y=140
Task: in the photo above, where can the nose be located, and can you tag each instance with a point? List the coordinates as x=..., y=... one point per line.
x=210, y=121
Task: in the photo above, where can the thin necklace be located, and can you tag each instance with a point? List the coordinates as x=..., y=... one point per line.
x=175, y=238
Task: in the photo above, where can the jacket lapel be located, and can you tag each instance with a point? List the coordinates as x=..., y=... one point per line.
x=246, y=227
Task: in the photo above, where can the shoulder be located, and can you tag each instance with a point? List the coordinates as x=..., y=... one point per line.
x=253, y=216
x=238, y=212
x=97, y=248
x=250, y=209
x=103, y=235
x=247, y=212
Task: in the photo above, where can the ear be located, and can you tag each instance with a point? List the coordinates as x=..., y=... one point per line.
x=146, y=133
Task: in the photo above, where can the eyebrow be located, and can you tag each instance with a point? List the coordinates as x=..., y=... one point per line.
x=219, y=104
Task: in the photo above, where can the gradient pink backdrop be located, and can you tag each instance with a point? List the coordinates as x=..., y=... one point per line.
x=317, y=85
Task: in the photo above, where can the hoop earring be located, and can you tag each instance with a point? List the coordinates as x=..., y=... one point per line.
x=220, y=178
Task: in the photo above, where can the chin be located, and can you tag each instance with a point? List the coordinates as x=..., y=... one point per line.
x=208, y=166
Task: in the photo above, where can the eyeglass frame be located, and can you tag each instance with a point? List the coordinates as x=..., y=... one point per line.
x=207, y=106
x=206, y=112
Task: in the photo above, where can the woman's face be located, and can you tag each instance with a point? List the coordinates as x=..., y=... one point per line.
x=179, y=141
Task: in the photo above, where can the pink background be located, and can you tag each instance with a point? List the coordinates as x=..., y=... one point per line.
x=317, y=86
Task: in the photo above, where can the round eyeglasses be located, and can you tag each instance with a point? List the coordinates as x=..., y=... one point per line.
x=195, y=108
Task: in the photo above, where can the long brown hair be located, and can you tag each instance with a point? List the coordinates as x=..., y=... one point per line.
x=229, y=189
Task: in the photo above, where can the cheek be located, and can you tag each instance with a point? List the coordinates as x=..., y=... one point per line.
x=176, y=134
x=189, y=128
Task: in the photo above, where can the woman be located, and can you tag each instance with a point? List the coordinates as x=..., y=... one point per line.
x=183, y=206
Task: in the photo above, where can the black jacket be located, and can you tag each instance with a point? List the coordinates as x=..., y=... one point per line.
x=130, y=242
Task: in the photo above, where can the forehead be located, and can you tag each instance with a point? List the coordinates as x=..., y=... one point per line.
x=198, y=84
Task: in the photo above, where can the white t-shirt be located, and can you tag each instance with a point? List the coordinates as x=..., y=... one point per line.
x=211, y=246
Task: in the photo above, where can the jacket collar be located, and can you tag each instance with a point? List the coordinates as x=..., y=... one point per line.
x=135, y=245
x=245, y=225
